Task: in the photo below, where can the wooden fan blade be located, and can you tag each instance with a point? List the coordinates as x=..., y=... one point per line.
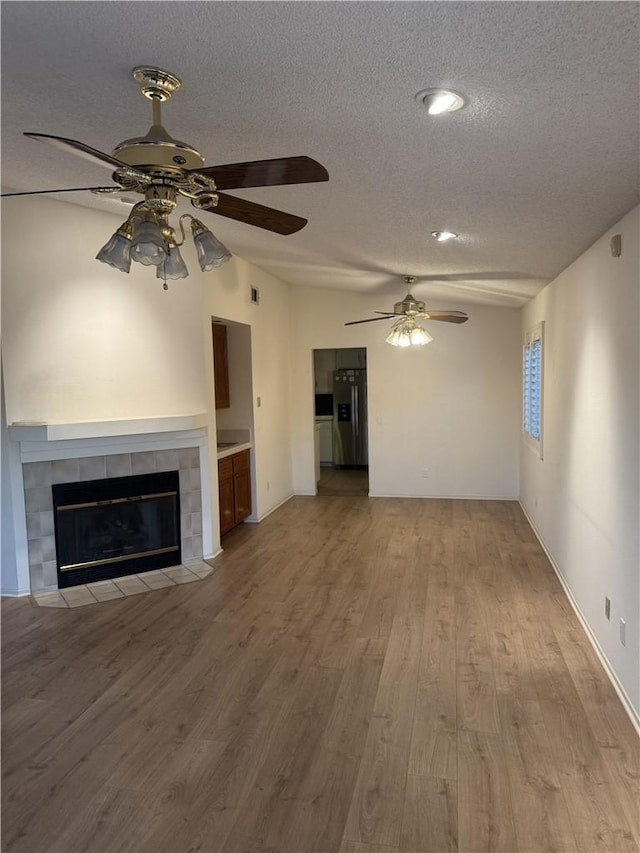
x=256, y=214
x=266, y=173
x=70, y=190
x=447, y=316
x=72, y=146
x=370, y=320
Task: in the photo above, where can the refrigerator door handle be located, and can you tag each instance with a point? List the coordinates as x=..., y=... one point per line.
x=354, y=408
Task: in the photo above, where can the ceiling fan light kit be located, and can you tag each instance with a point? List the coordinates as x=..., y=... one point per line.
x=407, y=333
x=162, y=168
x=147, y=238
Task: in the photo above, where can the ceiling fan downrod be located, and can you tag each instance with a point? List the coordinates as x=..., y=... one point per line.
x=158, y=86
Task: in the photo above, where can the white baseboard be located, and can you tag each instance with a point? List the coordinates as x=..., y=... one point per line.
x=627, y=704
x=258, y=518
x=448, y=497
x=14, y=593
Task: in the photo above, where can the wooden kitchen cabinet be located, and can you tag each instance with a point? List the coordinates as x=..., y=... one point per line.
x=225, y=495
x=220, y=365
x=234, y=485
x=241, y=485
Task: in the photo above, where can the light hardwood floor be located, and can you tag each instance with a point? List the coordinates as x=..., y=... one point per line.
x=343, y=482
x=357, y=675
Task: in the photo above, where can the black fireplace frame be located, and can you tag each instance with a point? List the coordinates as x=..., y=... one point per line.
x=114, y=489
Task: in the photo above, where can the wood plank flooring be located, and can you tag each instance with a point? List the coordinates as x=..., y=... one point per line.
x=356, y=675
x=342, y=482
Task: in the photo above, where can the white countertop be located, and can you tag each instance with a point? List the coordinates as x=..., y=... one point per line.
x=223, y=452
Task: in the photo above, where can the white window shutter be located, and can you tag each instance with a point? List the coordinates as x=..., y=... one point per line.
x=532, y=372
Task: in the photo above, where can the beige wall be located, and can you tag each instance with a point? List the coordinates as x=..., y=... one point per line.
x=82, y=341
x=227, y=296
x=451, y=407
x=584, y=496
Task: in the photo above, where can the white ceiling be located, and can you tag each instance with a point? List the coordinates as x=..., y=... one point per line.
x=542, y=160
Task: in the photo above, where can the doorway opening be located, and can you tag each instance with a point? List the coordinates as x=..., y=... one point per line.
x=341, y=425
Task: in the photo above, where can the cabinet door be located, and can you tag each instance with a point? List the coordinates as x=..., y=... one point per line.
x=220, y=366
x=227, y=506
x=242, y=491
x=242, y=485
x=225, y=495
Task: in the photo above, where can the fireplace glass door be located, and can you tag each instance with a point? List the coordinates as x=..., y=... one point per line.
x=115, y=527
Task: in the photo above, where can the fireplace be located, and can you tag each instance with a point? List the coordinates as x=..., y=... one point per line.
x=47, y=455
x=117, y=526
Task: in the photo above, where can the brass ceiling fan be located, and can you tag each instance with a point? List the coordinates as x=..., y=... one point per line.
x=158, y=165
x=161, y=168
x=405, y=331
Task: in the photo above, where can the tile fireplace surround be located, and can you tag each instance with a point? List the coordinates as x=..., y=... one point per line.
x=65, y=453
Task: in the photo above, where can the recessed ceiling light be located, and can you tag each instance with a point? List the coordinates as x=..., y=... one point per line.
x=443, y=236
x=439, y=101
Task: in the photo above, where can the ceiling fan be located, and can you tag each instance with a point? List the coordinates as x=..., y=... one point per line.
x=161, y=168
x=405, y=331
x=413, y=308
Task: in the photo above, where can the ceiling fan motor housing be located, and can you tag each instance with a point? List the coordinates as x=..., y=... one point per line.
x=409, y=305
x=159, y=150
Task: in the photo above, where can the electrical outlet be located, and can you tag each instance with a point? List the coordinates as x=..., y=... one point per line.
x=607, y=607
x=623, y=632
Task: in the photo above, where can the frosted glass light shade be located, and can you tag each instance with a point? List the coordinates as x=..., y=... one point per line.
x=173, y=267
x=147, y=244
x=116, y=252
x=406, y=333
x=419, y=337
x=211, y=252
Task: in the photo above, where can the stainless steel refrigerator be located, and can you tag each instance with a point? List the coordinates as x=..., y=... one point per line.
x=350, y=448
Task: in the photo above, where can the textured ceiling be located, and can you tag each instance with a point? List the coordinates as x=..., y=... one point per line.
x=542, y=160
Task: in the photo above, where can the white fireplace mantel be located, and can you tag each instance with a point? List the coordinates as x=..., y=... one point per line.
x=47, y=441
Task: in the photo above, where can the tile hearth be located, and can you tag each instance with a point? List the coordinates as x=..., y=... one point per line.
x=93, y=593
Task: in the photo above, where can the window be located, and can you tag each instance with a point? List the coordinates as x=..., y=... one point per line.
x=532, y=388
